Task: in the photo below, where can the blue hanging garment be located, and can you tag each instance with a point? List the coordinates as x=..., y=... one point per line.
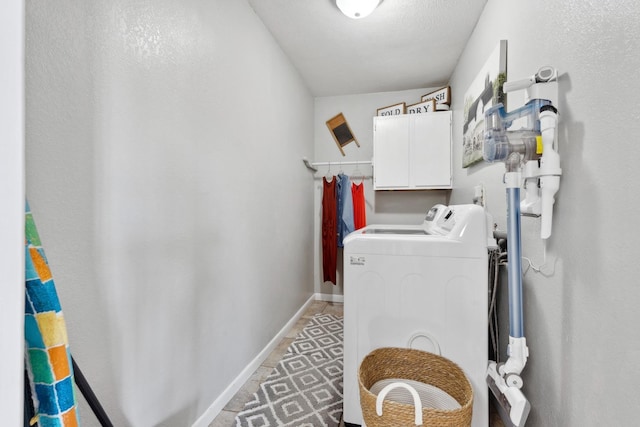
x=345, y=208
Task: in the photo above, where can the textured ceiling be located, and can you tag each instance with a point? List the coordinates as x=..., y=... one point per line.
x=403, y=44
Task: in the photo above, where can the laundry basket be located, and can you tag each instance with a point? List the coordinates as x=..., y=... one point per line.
x=442, y=395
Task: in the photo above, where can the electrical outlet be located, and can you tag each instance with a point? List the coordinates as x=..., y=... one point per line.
x=478, y=195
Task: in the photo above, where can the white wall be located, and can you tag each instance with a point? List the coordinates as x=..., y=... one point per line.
x=163, y=168
x=382, y=207
x=12, y=211
x=173, y=222
x=581, y=311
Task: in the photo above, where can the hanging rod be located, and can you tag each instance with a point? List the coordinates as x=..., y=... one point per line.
x=314, y=166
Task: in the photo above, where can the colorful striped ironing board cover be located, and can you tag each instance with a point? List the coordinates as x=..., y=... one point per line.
x=47, y=355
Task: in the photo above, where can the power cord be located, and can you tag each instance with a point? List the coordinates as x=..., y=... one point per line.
x=538, y=269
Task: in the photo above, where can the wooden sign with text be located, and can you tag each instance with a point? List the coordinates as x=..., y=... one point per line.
x=392, y=110
x=441, y=96
x=422, y=107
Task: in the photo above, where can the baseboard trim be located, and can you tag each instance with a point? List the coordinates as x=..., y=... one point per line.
x=225, y=397
x=330, y=298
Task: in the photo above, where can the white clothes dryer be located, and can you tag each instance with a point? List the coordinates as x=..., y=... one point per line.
x=422, y=287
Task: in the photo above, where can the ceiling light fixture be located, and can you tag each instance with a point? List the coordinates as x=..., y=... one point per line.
x=357, y=9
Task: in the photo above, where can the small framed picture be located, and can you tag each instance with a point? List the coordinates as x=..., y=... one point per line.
x=392, y=110
x=422, y=107
x=442, y=96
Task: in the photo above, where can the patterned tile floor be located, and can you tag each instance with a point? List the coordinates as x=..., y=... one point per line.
x=227, y=416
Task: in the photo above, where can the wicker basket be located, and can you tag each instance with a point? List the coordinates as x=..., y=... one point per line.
x=415, y=365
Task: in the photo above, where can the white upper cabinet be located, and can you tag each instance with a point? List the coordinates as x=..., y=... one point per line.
x=412, y=151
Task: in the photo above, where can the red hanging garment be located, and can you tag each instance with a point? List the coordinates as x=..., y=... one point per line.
x=329, y=231
x=359, y=210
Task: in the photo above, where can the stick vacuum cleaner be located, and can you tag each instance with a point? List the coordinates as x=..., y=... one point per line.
x=529, y=148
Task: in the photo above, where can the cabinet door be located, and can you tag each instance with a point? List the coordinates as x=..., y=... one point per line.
x=390, y=152
x=430, y=150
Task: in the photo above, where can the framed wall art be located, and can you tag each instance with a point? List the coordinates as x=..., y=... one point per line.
x=484, y=92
